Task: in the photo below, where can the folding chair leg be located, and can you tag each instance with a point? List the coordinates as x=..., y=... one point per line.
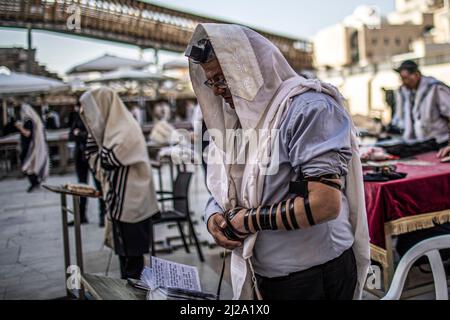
x=183, y=238
x=197, y=244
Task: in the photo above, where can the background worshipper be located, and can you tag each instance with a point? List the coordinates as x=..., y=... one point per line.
x=242, y=81
x=137, y=114
x=51, y=119
x=423, y=107
x=117, y=153
x=34, y=152
x=422, y=112
x=10, y=126
x=79, y=134
x=161, y=111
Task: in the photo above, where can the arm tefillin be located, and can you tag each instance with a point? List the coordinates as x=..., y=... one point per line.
x=271, y=216
x=230, y=232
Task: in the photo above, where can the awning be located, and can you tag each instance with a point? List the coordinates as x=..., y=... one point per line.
x=108, y=63
x=131, y=75
x=14, y=83
x=176, y=64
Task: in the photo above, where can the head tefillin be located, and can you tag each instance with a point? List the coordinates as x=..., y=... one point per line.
x=202, y=52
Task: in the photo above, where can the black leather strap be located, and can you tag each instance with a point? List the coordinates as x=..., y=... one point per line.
x=255, y=221
x=300, y=187
x=332, y=184
x=264, y=216
x=230, y=232
x=284, y=216
x=323, y=180
x=232, y=213
x=246, y=217
x=273, y=218
x=329, y=176
x=292, y=215
x=263, y=219
x=308, y=212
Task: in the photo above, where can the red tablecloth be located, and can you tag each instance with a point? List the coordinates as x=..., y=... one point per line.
x=425, y=189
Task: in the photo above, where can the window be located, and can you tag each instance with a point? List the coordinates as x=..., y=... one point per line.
x=386, y=41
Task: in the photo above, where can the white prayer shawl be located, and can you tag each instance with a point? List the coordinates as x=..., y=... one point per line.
x=128, y=188
x=262, y=85
x=419, y=121
x=36, y=161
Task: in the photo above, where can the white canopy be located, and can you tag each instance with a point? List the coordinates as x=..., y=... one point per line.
x=131, y=75
x=14, y=83
x=176, y=64
x=108, y=63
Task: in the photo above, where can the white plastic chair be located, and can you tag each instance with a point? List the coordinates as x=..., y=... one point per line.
x=430, y=248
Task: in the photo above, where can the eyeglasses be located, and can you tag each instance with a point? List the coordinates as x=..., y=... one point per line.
x=220, y=84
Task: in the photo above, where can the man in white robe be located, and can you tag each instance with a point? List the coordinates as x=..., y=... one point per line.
x=423, y=107
x=243, y=83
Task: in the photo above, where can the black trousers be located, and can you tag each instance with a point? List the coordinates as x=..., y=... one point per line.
x=131, y=242
x=82, y=169
x=131, y=267
x=34, y=180
x=101, y=202
x=334, y=280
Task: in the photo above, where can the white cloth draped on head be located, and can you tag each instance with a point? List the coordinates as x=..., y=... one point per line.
x=36, y=161
x=127, y=184
x=262, y=86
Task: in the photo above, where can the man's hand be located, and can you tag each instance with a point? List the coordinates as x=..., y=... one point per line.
x=18, y=125
x=23, y=131
x=444, y=152
x=216, y=225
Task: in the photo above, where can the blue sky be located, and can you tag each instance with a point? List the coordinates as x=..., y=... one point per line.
x=298, y=18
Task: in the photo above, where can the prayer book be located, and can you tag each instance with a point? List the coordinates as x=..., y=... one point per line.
x=167, y=280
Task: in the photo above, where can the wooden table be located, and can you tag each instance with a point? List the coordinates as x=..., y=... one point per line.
x=105, y=288
x=63, y=192
x=418, y=202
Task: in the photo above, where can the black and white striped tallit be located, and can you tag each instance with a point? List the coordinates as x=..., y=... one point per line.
x=117, y=153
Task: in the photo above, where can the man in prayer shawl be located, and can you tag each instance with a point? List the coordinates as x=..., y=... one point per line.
x=290, y=205
x=79, y=134
x=34, y=152
x=423, y=107
x=117, y=154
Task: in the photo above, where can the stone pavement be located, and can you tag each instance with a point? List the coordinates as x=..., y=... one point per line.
x=31, y=248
